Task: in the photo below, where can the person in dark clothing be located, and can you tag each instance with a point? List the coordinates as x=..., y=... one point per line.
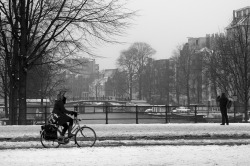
x=61, y=112
x=223, y=100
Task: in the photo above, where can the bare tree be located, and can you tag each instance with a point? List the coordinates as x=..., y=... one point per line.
x=148, y=80
x=38, y=28
x=209, y=70
x=185, y=62
x=177, y=79
x=9, y=47
x=143, y=52
x=4, y=82
x=233, y=61
x=44, y=80
x=127, y=62
x=121, y=84
x=134, y=61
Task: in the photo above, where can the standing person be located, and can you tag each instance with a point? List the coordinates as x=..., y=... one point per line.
x=61, y=112
x=223, y=100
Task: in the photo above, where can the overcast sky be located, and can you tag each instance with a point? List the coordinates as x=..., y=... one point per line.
x=165, y=24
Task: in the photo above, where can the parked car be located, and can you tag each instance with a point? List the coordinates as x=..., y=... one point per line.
x=181, y=110
x=149, y=111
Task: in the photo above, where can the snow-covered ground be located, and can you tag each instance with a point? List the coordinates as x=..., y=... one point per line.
x=130, y=156
x=127, y=130
x=170, y=144
x=138, y=134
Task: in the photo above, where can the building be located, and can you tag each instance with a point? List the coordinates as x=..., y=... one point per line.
x=159, y=93
x=202, y=90
x=79, y=74
x=197, y=43
x=198, y=87
x=102, y=87
x=240, y=22
x=240, y=17
x=110, y=91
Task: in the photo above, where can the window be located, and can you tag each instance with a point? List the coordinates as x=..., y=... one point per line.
x=238, y=14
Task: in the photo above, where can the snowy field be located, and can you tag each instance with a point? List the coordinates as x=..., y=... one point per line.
x=139, y=134
x=130, y=156
x=134, y=144
x=126, y=130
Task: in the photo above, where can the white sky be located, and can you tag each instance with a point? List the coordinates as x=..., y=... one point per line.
x=165, y=24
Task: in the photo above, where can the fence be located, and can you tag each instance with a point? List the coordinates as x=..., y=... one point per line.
x=104, y=114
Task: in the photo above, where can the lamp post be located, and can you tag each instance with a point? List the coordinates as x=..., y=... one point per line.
x=234, y=100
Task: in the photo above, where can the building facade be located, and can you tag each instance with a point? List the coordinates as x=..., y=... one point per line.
x=103, y=86
x=240, y=17
x=79, y=74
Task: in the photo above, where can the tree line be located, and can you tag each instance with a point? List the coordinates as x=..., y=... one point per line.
x=222, y=64
x=41, y=33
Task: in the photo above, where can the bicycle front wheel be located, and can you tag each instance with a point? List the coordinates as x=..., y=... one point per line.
x=85, y=137
x=49, y=143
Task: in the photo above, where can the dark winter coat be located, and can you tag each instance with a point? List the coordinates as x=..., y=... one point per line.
x=223, y=102
x=60, y=110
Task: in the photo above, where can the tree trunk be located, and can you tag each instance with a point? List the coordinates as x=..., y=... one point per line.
x=6, y=92
x=22, y=97
x=188, y=97
x=41, y=109
x=140, y=87
x=13, y=75
x=13, y=102
x=177, y=96
x=167, y=82
x=187, y=90
x=177, y=87
x=22, y=65
x=130, y=86
x=6, y=109
x=246, y=106
x=150, y=88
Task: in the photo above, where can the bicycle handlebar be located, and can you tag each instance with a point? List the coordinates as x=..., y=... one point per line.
x=75, y=116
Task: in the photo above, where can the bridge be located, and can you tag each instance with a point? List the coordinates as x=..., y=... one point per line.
x=96, y=102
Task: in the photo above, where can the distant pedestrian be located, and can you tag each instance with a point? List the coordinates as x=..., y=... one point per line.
x=223, y=100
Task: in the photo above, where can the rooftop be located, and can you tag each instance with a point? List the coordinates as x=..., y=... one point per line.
x=247, y=7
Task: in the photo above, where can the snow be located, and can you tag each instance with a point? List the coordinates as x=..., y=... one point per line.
x=103, y=130
x=134, y=144
x=129, y=156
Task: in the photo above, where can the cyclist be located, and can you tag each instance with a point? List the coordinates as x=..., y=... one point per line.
x=61, y=112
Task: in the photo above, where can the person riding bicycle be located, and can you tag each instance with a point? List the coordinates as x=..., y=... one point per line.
x=61, y=112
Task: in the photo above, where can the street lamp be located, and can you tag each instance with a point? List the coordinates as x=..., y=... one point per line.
x=234, y=100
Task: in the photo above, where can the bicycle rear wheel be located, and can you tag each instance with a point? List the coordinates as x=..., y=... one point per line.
x=49, y=143
x=85, y=137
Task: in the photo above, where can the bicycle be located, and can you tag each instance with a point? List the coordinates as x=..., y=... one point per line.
x=84, y=136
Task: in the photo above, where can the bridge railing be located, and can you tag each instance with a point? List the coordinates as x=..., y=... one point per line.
x=121, y=114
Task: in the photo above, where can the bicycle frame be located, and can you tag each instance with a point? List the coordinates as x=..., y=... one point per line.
x=75, y=126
